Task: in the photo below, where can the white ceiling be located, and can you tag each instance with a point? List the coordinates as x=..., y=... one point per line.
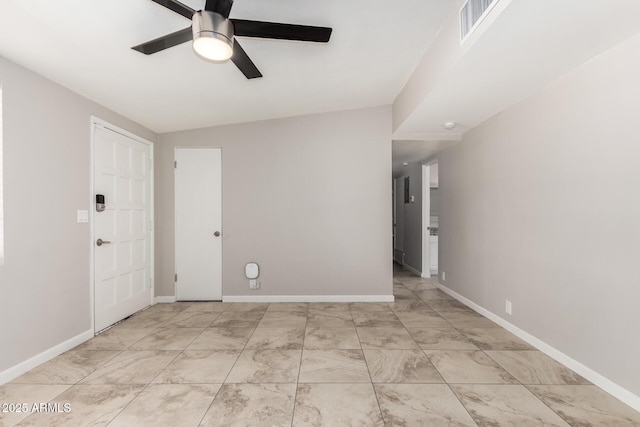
x=415, y=152
x=85, y=46
x=524, y=49
x=374, y=49
x=528, y=46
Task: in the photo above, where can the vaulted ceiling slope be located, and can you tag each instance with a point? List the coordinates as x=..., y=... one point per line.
x=519, y=49
x=86, y=46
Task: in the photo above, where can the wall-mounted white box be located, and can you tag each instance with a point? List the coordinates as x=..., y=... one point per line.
x=82, y=216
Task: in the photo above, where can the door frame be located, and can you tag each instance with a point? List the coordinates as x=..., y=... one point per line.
x=394, y=191
x=426, y=213
x=426, y=217
x=175, y=207
x=97, y=122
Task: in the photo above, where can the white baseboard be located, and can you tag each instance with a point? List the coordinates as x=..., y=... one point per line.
x=308, y=298
x=19, y=369
x=164, y=300
x=429, y=274
x=599, y=380
x=413, y=270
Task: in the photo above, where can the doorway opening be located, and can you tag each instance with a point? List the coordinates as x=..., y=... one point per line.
x=430, y=215
x=198, y=216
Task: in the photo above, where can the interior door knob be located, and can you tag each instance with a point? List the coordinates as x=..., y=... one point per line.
x=217, y=234
x=101, y=242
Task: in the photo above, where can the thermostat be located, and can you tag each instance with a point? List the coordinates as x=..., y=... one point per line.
x=251, y=270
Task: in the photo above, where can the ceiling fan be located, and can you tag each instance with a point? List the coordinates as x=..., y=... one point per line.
x=213, y=34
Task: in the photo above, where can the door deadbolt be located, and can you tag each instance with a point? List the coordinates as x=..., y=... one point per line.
x=217, y=234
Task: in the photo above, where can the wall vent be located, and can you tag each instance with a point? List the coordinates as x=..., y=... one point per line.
x=472, y=14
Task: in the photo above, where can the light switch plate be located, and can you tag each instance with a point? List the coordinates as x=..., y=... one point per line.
x=82, y=216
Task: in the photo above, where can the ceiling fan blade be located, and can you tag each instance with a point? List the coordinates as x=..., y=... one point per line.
x=223, y=7
x=273, y=30
x=165, y=42
x=243, y=62
x=177, y=7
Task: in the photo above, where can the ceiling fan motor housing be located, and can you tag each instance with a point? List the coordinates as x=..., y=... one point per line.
x=211, y=25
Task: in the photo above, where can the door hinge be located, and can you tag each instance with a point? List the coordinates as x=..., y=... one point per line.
x=176, y=278
x=150, y=281
x=175, y=164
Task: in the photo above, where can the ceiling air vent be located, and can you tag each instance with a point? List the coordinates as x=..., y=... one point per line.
x=472, y=13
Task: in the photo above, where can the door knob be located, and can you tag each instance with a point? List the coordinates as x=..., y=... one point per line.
x=101, y=242
x=217, y=234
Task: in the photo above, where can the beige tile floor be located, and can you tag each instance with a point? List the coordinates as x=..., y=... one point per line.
x=424, y=360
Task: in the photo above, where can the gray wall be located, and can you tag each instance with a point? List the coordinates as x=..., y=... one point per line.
x=540, y=205
x=307, y=198
x=412, y=216
x=45, y=280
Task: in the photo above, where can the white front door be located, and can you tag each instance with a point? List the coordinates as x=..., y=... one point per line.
x=122, y=232
x=198, y=201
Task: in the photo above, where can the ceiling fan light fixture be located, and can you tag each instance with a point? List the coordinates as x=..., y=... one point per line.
x=212, y=47
x=212, y=36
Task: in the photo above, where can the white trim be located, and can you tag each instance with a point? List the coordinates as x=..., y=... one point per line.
x=2, y=254
x=165, y=300
x=92, y=209
x=22, y=367
x=95, y=121
x=411, y=269
x=425, y=221
x=308, y=298
x=394, y=214
x=597, y=379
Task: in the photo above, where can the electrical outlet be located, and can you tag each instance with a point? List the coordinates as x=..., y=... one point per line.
x=507, y=307
x=443, y=276
x=254, y=284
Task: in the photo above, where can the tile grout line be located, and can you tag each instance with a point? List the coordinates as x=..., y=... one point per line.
x=545, y=403
x=223, y=381
x=487, y=347
x=129, y=349
x=244, y=347
x=524, y=385
x=156, y=376
x=461, y=403
x=295, y=394
x=375, y=393
x=440, y=373
x=484, y=351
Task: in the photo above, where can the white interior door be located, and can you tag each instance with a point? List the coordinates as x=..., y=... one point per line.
x=122, y=257
x=198, y=201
